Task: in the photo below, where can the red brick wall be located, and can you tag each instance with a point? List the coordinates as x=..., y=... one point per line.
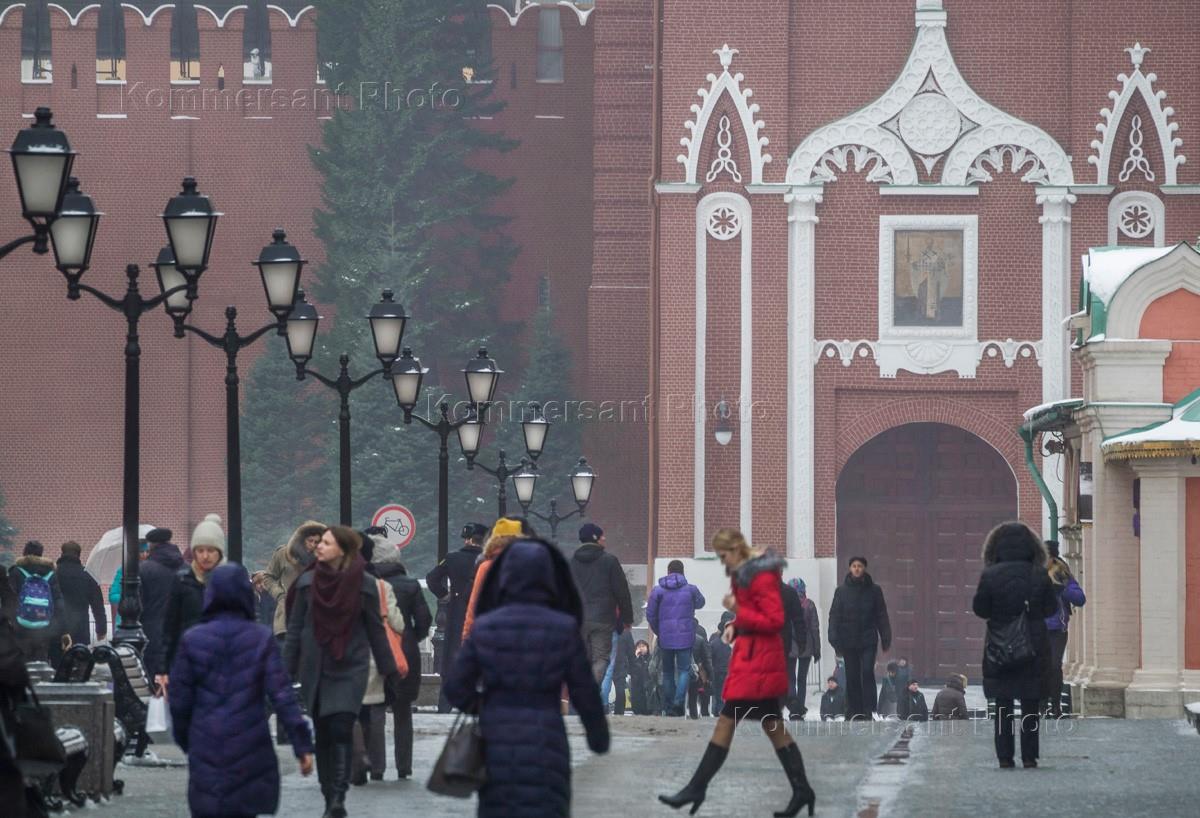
x=1176, y=316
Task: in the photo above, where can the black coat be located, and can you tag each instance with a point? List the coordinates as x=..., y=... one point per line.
x=157, y=573
x=833, y=704
x=1011, y=577
x=80, y=592
x=602, y=585
x=410, y=599
x=912, y=706
x=701, y=656
x=720, y=653
x=184, y=609
x=795, y=630
x=858, y=617
x=624, y=655
x=451, y=580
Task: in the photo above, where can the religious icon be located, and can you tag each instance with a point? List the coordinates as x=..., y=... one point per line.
x=928, y=278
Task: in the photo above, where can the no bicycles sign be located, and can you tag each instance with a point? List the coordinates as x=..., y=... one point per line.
x=400, y=523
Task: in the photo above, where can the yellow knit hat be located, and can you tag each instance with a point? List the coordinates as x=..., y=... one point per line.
x=506, y=527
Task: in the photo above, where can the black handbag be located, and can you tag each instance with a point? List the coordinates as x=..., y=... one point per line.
x=1009, y=645
x=39, y=752
x=461, y=769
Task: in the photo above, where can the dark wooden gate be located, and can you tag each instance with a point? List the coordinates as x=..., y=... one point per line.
x=917, y=501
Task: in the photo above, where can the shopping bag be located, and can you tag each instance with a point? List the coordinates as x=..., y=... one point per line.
x=158, y=716
x=461, y=769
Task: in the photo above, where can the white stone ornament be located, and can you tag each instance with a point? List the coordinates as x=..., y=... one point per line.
x=863, y=159
x=724, y=223
x=724, y=162
x=747, y=112
x=1110, y=122
x=1136, y=161
x=1022, y=161
x=1136, y=221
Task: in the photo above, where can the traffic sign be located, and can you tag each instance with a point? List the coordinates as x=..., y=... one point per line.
x=400, y=523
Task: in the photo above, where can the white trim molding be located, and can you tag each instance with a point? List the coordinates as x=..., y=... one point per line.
x=1178, y=269
x=702, y=113
x=1136, y=214
x=929, y=114
x=724, y=216
x=928, y=350
x=1110, y=120
x=514, y=17
x=846, y=350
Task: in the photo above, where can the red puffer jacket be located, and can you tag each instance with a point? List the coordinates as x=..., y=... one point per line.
x=758, y=667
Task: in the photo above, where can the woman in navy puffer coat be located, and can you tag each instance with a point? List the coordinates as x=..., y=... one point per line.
x=224, y=669
x=524, y=646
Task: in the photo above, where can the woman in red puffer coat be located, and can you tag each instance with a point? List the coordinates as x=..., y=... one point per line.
x=757, y=679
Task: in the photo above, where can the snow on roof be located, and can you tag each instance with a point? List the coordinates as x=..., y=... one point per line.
x=1046, y=407
x=1164, y=439
x=1107, y=268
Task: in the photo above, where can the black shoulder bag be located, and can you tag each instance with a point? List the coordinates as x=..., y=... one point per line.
x=1009, y=645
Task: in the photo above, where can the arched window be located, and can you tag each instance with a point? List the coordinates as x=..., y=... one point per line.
x=110, y=43
x=35, y=42
x=256, y=43
x=185, y=43
x=549, y=45
x=478, y=26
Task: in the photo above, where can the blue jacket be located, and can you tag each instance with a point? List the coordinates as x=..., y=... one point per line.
x=225, y=669
x=671, y=611
x=523, y=651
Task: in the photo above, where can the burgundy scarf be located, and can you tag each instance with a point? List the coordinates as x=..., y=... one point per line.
x=336, y=602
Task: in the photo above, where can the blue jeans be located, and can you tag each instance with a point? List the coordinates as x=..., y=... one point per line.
x=676, y=669
x=606, y=684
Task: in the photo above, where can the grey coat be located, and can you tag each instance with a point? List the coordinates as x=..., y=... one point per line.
x=339, y=686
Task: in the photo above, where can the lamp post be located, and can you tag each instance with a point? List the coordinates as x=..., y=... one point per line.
x=42, y=159
x=388, y=321
x=407, y=374
x=534, y=429
x=190, y=222
x=279, y=266
x=582, y=479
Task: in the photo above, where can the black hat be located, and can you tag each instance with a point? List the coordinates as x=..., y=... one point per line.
x=474, y=531
x=853, y=560
x=157, y=535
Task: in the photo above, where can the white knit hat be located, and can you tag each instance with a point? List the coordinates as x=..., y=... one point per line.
x=209, y=534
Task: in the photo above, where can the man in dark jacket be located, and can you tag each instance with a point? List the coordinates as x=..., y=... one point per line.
x=157, y=573
x=858, y=624
x=833, y=701
x=80, y=593
x=622, y=662
x=671, y=614
x=802, y=642
x=410, y=599
x=911, y=705
x=37, y=634
x=605, y=593
x=701, y=674
x=451, y=581
x=720, y=654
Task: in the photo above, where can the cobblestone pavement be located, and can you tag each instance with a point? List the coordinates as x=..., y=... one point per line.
x=1124, y=768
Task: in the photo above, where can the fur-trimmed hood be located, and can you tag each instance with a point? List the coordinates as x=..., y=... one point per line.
x=1014, y=542
x=748, y=570
x=295, y=543
x=35, y=565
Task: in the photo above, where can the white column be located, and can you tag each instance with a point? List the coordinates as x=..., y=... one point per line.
x=1056, y=306
x=802, y=222
x=1163, y=572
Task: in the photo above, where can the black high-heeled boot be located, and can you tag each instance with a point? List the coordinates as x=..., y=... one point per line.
x=697, y=788
x=342, y=756
x=802, y=794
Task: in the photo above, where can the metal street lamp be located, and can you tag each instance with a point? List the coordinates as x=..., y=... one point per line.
x=73, y=233
x=482, y=376
x=388, y=320
x=133, y=306
x=534, y=428
x=42, y=159
x=279, y=266
x=582, y=479
x=525, y=481
x=301, y=333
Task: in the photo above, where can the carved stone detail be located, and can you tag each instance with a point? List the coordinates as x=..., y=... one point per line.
x=994, y=157
x=864, y=159
x=697, y=127
x=723, y=162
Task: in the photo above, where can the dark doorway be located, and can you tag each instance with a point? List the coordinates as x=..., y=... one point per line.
x=917, y=501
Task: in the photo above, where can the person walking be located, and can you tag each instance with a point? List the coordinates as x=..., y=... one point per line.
x=81, y=594
x=757, y=680
x=605, y=594
x=720, y=653
x=505, y=532
x=858, y=625
x=1015, y=584
x=950, y=704
x=40, y=612
x=671, y=614
x=224, y=668
x=186, y=603
x=158, y=572
x=805, y=649
x=622, y=663
x=287, y=564
x=410, y=600
x=700, y=675
x=911, y=705
x=451, y=581
x=1070, y=596
x=114, y=590
x=525, y=646
x=334, y=631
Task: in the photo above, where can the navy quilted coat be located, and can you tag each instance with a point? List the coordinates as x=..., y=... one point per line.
x=224, y=670
x=521, y=653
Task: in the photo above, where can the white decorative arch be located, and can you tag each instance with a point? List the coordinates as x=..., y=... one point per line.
x=747, y=111
x=73, y=19
x=524, y=5
x=1121, y=209
x=738, y=207
x=929, y=113
x=1137, y=83
x=1178, y=269
x=4, y=11
x=148, y=18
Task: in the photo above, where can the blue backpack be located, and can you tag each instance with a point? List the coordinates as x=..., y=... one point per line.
x=35, y=606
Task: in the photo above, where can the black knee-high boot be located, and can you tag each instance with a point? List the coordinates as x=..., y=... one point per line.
x=697, y=788
x=802, y=794
x=342, y=755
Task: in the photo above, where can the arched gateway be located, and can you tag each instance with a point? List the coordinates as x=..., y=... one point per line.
x=917, y=502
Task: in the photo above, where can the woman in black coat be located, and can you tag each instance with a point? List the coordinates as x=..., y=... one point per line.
x=525, y=645
x=334, y=630
x=1014, y=581
x=410, y=599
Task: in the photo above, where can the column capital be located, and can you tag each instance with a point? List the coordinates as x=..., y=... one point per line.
x=1056, y=204
x=802, y=201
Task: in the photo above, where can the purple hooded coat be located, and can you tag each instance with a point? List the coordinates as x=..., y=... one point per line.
x=671, y=611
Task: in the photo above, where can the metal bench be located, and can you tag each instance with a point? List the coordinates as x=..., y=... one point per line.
x=131, y=690
x=76, y=665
